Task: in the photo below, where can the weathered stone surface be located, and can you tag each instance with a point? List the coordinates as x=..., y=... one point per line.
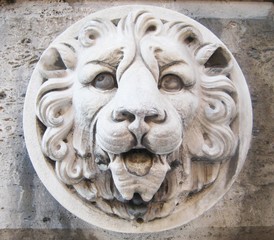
x=246, y=212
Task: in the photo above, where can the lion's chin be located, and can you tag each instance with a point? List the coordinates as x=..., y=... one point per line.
x=138, y=174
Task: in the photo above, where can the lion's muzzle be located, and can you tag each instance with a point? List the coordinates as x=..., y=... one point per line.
x=139, y=126
x=139, y=116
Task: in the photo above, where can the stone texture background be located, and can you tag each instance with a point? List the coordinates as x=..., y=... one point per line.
x=28, y=211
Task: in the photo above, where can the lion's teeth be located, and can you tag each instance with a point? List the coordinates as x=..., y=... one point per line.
x=103, y=167
x=147, y=196
x=127, y=195
x=111, y=156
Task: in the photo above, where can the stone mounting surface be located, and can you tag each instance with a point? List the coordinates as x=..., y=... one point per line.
x=137, y=119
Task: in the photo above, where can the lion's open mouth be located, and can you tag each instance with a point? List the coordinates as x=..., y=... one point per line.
x=137, y=174
x=138, y=161
x=140, y=179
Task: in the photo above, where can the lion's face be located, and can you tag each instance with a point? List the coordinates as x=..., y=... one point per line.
x=140, y=115
x=152, y=111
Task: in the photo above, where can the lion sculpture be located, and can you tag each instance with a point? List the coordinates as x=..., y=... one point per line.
x=137, y=113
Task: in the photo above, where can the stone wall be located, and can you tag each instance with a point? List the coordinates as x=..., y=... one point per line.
x=28, y=211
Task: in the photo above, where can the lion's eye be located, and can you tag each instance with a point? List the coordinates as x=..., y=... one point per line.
x=171, y=83
x=104, y=81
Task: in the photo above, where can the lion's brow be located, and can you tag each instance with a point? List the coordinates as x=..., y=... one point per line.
x=103, y=63
x=109, y=59
x=167, y=65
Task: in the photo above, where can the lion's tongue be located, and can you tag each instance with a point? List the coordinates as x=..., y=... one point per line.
x=138, y=162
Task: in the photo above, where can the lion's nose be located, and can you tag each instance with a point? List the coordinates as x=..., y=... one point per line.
x=147, y=115
x=139, y=119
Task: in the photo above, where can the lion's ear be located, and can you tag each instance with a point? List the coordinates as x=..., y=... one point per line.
x=56, y=60
x=215, y=59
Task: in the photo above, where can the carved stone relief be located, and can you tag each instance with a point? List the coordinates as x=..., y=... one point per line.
x=142, y=119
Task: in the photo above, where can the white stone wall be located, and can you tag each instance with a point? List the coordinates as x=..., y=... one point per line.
x=28, y=210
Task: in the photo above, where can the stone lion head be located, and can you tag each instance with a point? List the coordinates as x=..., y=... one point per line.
x=138, y=113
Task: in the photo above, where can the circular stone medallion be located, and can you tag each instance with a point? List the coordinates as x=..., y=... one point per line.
x=137, y=119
